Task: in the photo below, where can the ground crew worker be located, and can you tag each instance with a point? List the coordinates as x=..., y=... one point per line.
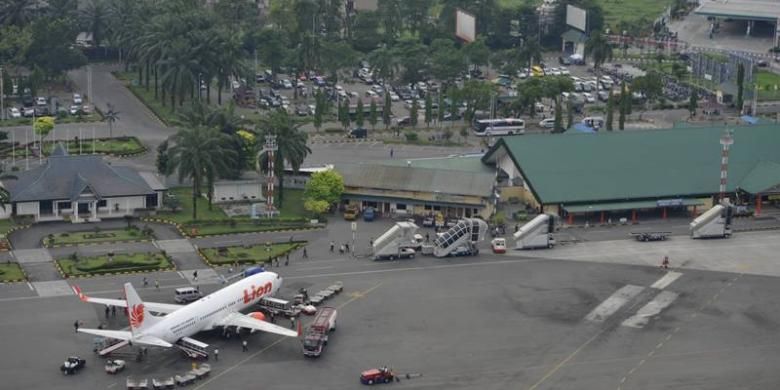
x=305, y=255
x=292, y=322
x=108, y=311
x=157, y=284
x=287, y=260
x=195, y=275
x=76, y=326
x=243, y=346
x=216, y=354
x=665, y=262
x=347, y=246
x=371, y=242
x=113, y=311
x=146, y=282
x=332, y=245
x=427, y=237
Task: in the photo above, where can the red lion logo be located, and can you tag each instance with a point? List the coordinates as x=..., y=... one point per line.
x=137, y=315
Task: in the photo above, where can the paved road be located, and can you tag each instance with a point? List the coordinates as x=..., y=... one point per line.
x=501, y=322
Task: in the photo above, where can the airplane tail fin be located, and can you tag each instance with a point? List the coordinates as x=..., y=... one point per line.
x=140, y=318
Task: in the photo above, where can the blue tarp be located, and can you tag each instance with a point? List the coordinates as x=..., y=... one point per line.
x=582, y=128
x=750, y=119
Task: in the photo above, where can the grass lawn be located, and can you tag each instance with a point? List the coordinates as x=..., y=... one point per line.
x=116, y=145
x=251, y=254
x=768, y=85
x=93, y=117
x=184, y=215
x=631, y=11
x=241, y=226
x=11, y=272
x=101, y=236
x=6, y=225
x=121, y=262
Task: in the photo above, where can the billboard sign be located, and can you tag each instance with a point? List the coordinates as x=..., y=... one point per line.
x=465, y=26
x=576, y=17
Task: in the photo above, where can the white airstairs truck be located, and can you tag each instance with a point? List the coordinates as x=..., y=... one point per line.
x=537, y=233
x=461, y=239
x=714, y=223
x=395, y=243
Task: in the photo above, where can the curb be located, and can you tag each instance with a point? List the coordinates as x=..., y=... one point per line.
x=346, y=141
x=258, y=261
x=45, y=245
x=13, y=229
x=65, y=276
x=24, y=274
x=185, y=235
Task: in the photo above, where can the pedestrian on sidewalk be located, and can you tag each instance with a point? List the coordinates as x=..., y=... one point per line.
x=216, y=354
x=347, y=246
x=292, y=322
x=243, y=346
x=665, y=262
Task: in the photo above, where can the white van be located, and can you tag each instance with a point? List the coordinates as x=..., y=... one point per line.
x=186, y=295
x=595, y=122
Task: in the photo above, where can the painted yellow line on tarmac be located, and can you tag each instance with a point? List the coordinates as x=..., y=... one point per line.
x=359, y=294
x=564, y=361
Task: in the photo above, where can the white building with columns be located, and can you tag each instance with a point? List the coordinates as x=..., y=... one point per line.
x=80, y=189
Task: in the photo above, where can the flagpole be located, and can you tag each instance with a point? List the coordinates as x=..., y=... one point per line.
x=79, y=141
x=93, y=139
x=26, y=149
x=13, y=147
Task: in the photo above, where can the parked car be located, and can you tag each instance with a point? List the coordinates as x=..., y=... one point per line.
x=548, y=123
x=428, y=221
x=369, y=214
x=114, y=366
x=74, y=109
x=28, y=112
x=40, y=101
x=564, y=60
x=260, y=78
x=376, y=375
x=498, y=245
x=77, y=99
x=14, y=112
x=404, y=121
x=589, y=98
x=394, y=97
x=603, y=96
x=302, y=110
x=287, y=84
x=358, y=132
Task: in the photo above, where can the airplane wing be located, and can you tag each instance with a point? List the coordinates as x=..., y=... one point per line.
x=127, y=335
x=165, y=308
x=245, y=321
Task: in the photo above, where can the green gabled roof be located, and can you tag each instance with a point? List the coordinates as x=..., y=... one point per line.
x=648, y=164
x=765, y=175
x=461, y=162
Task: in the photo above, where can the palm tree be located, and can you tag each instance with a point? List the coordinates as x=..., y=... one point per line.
x=600, y=49
x=111, y=116
x=93, y=18
x=180, y=70
x=229, y=61
x=17, y=12
x=291, y=143
x=199, y=155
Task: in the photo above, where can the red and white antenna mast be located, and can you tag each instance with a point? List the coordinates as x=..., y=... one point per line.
x=726, y=140
x=270, y=148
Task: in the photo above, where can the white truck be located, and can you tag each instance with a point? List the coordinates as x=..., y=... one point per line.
x=461, y=239
x=714, y=223
x=398, y=242
x=537, y=233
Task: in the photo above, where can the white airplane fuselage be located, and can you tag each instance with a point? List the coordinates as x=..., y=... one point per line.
x=205, y=313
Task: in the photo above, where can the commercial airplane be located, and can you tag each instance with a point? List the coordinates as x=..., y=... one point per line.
x=219, y=309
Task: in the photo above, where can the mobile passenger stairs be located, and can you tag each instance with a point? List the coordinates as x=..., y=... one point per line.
x=391, y=242
x=461, y=239
x=714, y=223
x=537, y=233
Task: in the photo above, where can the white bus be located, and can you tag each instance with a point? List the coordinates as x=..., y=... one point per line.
x=491, y=127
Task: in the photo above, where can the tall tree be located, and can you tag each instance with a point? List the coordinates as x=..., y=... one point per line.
x=291, y=144
x=199, y=155
x=693, y=104
x=740, y=86
x=345, y=116
x=373, y=116
x=598, y=48
x=610, y=111
x=428, y=110
x=623, y=106
x=558, y=124
x=93, y=18
x=111, y=115
x=413, y=113
x=319, y=107
x=387, y=111
x=359, y=115
x=569, y=112
x=17, y=12
x=52, y=49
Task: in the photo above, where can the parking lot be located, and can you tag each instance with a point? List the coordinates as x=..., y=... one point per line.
x=490, y=322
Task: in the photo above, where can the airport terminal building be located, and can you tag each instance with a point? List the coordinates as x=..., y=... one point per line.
x=653, y=173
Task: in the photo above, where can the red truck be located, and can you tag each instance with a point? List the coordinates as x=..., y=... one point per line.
x=316, y=337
